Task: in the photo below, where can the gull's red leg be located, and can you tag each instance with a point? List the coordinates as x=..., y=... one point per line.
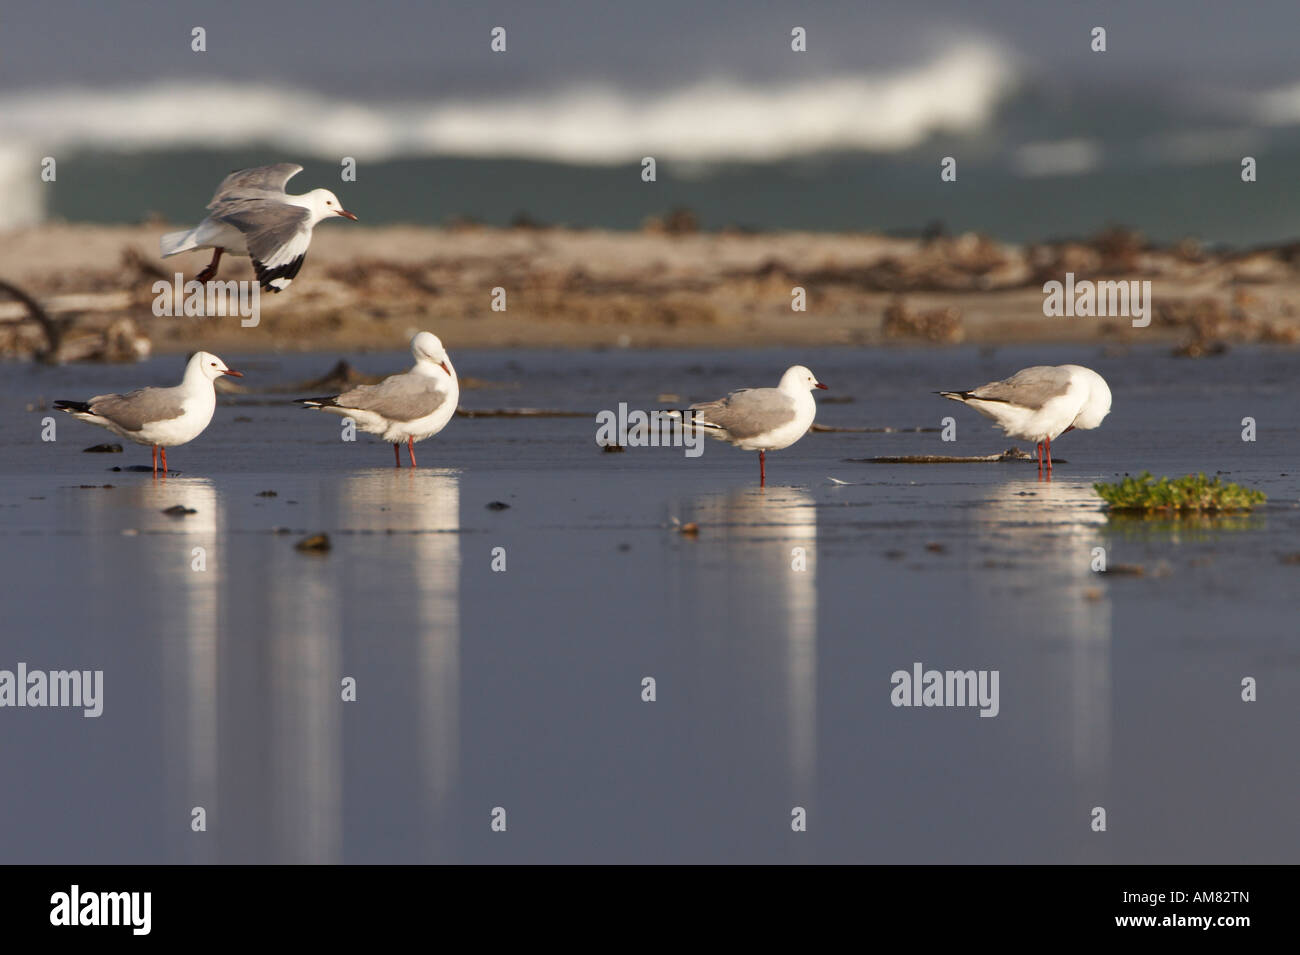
x=397, y=456
x=163, y=450
x=211, y=271
x=1040, y=456
x=1049, y=454
x=762, y=469
x=155, y=460
x=410, y=449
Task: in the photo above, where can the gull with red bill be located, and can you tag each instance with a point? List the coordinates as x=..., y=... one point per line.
x=762, y=419
x=252, y=215
x=1041, y=403
x=161, y=417
x=409, y=407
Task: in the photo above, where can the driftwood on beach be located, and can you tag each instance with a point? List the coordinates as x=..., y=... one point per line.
x=51, y=332
x=571, y=288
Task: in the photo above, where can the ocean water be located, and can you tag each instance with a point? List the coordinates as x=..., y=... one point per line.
x=1049, y=138
x=521, y=690
x=849, y=193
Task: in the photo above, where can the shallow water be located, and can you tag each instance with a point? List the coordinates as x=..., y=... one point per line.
x=522, y=689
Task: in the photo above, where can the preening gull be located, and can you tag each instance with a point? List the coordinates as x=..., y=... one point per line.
x=252, y=215
x=1041, y=403
x=762, y=419
x=408, y=407
x=162, y=417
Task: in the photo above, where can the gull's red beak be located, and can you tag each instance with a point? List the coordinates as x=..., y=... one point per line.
x=231, y=371
x=347, y=215
x=823, y=387
x=444, y=367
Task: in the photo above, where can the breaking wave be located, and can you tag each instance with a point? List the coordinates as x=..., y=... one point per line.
x=715, y=120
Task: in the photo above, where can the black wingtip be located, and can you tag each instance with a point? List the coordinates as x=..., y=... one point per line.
x=322, y=402
x=73, y=407
x=287, y=272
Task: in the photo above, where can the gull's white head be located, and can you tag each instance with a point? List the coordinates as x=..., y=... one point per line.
x=324, y=204
x=427, y=347
x=798, y=378
x=1097, y=405
x=209, y=366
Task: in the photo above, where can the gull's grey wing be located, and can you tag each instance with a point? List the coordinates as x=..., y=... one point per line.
x=277, y=235
x=747, y=413
x=267, y=225
x=133, y=411
x=1029, y=388
x=399, y=398
x=257, y=182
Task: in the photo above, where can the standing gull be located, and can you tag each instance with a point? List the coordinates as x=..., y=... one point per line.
x=408, y=407
x=1040, y=403
x=252, y=215
x=762, y=419
x=162, y=417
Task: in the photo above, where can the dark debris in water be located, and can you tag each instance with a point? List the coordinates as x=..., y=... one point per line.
x=268, y=494
x=497, y=506
x=1010, y=454
x=833, y=429
x=179, y=510
x=1125, y=570
x=102, y=449
x=518, y=413
x=315, y=544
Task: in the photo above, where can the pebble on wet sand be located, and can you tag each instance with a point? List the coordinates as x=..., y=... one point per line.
x=315, y=544
x=1126, y=570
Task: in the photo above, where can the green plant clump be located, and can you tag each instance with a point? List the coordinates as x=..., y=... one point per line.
x=1193, y=493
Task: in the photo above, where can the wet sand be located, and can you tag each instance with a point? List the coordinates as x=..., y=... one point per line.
x=522, y=689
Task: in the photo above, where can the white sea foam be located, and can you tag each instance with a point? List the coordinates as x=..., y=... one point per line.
x=1278, y=107
x=1061, y=157
x=707, y=121
x=22, y=193
x=1189, y=147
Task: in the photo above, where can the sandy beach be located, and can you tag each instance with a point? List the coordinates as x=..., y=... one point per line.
x=663, y=286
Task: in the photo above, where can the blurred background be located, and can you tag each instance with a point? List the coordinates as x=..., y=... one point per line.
x=1051, y=138
x=775, y=169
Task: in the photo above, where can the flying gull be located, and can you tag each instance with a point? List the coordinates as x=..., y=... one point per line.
x=762, y=419
x=1040, y=403
x=252, y=215
x=408, y=407
x=162, y=417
